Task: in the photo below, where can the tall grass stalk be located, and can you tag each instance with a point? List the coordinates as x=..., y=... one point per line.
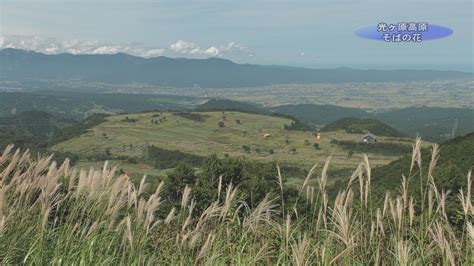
x=60, y=214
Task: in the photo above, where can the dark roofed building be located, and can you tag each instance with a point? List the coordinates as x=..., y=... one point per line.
x=369, y=138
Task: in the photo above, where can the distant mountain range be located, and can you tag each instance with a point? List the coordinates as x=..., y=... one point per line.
x=122, y=68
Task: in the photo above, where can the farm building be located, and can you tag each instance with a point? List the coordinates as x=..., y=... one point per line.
x=369, y=138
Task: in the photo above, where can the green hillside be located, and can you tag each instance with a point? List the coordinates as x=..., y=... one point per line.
x=437, y=124
x=31, y=129
x=319, y=114
x=433, y=123
x=230, y=105
x=456, y=158
x=130, y=137
x=361, y=126
x=450, y=175
x=79, y=105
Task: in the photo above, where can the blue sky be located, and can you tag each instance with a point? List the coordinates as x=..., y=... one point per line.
x=298, y=33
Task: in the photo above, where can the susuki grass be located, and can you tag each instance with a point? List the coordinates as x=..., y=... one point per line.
x=62, y=215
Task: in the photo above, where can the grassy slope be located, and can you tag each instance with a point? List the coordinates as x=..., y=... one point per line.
x=205, y=138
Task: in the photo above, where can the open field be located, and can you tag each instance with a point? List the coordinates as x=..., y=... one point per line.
x=79, y=105
x=205, y=137
x=131, y=168
x=369, y=95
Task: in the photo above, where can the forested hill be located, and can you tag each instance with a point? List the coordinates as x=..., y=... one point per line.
x=37, y=130
x=230, y=105
x=31, y=129
x=357, y=125
x=432, y=123
x=437, y=124
x=181, y=72
x=36, y=122
x=319, y=114
x=455, y=160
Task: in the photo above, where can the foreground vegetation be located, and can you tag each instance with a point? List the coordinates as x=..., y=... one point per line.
x=51, y=214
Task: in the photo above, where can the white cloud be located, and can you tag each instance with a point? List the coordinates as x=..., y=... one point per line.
x=106, y=50
x=212, y=51
x=53, y=46
x=183, y=47
x=232, y=46
x=190, y=48
x=153, y=52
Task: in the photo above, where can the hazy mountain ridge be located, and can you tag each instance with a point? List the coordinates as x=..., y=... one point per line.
x=181, y=72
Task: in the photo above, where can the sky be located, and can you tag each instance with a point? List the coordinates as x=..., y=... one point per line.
x=310, y=33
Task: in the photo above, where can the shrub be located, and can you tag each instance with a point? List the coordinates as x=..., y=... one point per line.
x=162, y=159
x=129, y=120
x=297, y=125
x=192, y=116
x=378, y=148
x=246, y=148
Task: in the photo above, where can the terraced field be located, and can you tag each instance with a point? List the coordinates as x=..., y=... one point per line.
x=199, y=133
